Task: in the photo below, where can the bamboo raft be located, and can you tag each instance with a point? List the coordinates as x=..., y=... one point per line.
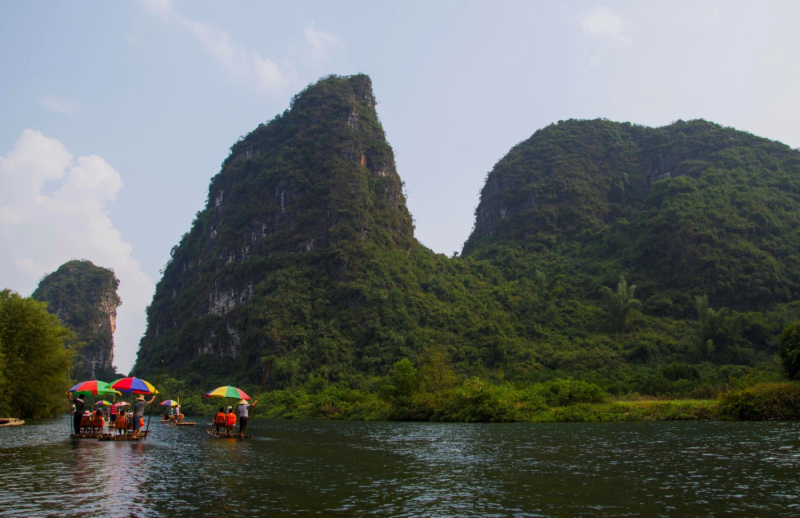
x=11, y=421
x=187, y=423
x=88, y=435
x=126, y=437
x=212, y=433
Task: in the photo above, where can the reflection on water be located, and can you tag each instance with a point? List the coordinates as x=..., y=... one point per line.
x=409, y=469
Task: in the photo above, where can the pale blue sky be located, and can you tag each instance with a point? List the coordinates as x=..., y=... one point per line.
x=159, y=91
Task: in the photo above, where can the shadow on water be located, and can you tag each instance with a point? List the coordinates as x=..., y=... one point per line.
x=409, y=469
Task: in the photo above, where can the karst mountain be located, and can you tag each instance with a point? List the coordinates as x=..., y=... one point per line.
x=305, y=254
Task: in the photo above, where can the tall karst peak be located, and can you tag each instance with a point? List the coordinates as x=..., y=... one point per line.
x=84, y=297
x=315, y=185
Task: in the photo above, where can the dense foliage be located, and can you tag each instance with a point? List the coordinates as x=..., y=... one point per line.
x=33, y=358
x=764, y=401
x=84, y=297
x=652, y=262
x=790, y=350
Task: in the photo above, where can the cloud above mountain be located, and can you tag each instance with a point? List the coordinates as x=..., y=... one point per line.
x=53, y=208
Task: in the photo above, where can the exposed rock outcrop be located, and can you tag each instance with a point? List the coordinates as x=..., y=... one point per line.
x=84, y=297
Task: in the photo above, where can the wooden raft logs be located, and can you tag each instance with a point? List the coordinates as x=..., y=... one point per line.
x=11, y=421
x=212, y=433
x=88, y=435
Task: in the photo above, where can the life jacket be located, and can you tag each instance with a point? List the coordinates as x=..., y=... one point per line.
x=86, y=421
x=121, y=423
x=230, y=419
x=141, y=422
x=98, y=422
x=219, y=419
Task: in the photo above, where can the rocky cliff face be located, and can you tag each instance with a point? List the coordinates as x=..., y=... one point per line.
x=316, y=184
x=84, y=297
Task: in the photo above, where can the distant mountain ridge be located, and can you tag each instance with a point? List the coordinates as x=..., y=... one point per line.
x=305, y=253
x=688, y=209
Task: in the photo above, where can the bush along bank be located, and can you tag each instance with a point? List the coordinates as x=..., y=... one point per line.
x=438, y=395
x=765, y=401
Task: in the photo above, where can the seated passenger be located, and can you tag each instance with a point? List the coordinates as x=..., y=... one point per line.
x=219, y=420
x=98, y=423
x=121, y=422
x=86, y=422
x=230, y=420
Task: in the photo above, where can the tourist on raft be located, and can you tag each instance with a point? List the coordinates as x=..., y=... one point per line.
x=98, y=423
x=112, y=414
x=78, y=415
x=219, y=420
x=121, y=423
x=138, y=413
x=242, y=411
x=230, y=420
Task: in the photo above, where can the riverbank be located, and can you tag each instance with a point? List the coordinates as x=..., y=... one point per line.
x=561, y=401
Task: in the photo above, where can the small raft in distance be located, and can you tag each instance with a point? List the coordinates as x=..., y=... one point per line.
x=214, y=434
x=11, y=421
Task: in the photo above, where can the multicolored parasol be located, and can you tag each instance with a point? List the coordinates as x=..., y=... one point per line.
x=228, y=391
x=135, y=386
x=169, y=402
x=93, y=388
x=103, y=402
x=123, y=403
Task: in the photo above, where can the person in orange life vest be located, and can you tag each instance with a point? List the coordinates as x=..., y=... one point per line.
x=230, y=420
x=121, y=423
x=98, y=422
x=219, y=420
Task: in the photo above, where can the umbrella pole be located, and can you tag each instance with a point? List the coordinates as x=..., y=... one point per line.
x=269, y=366
x=154, y=400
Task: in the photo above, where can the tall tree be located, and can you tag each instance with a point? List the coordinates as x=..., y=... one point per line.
x=32, y=342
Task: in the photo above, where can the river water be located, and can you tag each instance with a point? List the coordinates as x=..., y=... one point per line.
x=408, y=469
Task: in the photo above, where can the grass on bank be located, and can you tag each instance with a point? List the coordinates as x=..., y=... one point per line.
x=475, y=400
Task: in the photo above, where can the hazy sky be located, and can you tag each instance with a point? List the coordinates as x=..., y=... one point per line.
x=115, y=115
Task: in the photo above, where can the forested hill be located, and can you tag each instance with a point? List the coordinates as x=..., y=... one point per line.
x=305, y=254
x=685, y=210
x=84, y=296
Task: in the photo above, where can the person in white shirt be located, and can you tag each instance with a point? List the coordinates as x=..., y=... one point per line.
x=242, y=412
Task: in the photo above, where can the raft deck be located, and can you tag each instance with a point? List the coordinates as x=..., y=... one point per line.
x=228, y=435
x=11, y=421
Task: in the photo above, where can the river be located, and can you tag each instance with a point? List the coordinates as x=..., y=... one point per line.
x=330, y=468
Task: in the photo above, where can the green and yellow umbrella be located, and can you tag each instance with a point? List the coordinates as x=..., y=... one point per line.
x=228, y=391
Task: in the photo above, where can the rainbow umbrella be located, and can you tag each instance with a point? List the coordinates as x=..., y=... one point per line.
x=103, y=402
x=169, y=402
x=93, y=388
x=134, y=385
x=228, y=391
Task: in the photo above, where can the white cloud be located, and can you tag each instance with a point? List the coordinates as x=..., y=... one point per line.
x=39, y=231
x=321, y=44
x=58, y=104
x=245, y=64
x=601, y=22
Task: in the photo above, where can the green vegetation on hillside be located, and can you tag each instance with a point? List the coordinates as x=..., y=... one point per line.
x=33, y=358
x=647, y=262
x=84, y=297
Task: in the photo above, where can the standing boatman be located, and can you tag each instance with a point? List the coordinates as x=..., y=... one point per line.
x=138, y=412
x=242, y=411
x=78, y=415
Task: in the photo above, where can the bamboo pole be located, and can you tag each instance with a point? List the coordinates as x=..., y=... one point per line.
x=71, y=415
x=269, y=366
x=147, y=429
